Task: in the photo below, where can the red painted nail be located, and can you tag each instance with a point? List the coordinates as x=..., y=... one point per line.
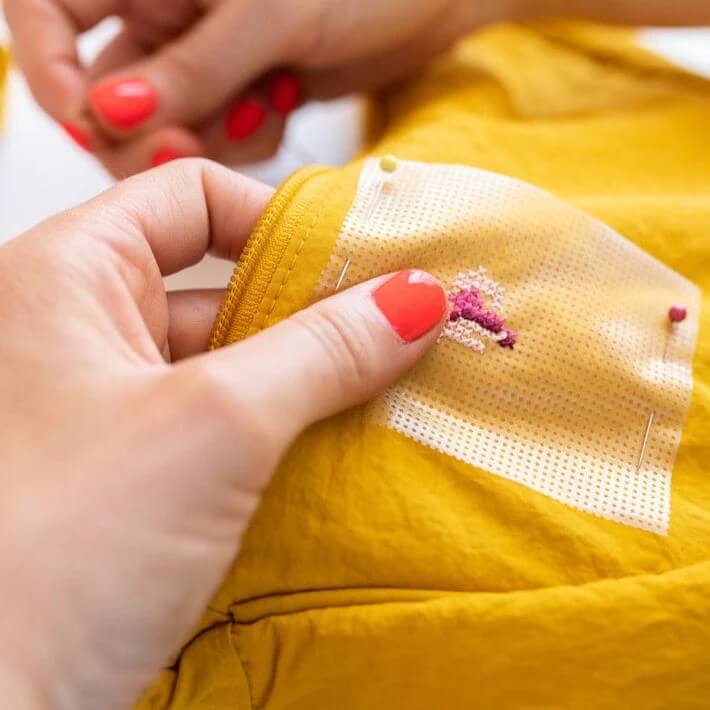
x=413, y=302
x=124, y=103
x=164, y=156
x=244, y=119
x=77, y=135
x=284, y=92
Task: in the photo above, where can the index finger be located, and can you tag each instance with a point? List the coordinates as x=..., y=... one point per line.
x=45, y=34
x=180, y=212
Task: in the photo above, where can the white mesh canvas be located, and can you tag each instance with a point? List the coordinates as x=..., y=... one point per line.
x=564, y=409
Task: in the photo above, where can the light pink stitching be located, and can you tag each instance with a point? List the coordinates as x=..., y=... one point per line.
x=471, y=322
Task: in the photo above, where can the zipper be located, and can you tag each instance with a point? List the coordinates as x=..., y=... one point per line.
x=251, y=276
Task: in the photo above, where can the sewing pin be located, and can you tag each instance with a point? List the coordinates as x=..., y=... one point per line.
x=646, y=437
x=676, y=314
x=343, y=272
x=388, y=164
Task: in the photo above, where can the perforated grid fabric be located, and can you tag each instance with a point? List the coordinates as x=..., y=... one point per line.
x=565, y=411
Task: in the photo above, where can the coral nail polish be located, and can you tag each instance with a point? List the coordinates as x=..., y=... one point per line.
x=284, y=92
x=77, y=135
x=244, y=119
x=124, y=103
x=413, y=302
x=161, y=157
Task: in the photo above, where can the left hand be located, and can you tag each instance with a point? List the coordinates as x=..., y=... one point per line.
x=130, y=460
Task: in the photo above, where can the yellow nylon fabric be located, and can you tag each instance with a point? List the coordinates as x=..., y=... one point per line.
x=379, y=573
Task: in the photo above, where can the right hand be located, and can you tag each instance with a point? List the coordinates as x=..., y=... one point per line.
x=199, y=63
x=205, y=67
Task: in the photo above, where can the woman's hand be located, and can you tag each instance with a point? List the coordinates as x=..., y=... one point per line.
x=131, y=460
x=203, y=77
x=196, y=77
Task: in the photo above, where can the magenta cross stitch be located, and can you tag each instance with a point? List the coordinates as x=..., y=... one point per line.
x=476, y=305
x=467, y=304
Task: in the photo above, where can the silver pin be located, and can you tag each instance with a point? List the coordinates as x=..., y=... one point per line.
x=343, y=273
x=676, y=314
x=646, y=437
x=388, y=164
x=373, y=203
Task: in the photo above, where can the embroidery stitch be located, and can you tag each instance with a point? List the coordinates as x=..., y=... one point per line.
x=471, y=320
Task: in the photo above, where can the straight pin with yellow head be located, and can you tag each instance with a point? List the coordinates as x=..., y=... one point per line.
x=388, y=164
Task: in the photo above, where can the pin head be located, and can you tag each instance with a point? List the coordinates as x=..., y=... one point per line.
x=388, y=163
x=677, y=313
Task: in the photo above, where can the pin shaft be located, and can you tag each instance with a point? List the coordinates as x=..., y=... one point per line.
x=388, y=164
x=373, y=202
x=646, y=438
x=343, y=273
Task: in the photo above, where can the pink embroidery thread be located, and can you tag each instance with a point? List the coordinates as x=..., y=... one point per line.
x=472, y=322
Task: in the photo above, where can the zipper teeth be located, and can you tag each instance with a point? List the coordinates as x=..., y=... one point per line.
x=249, y=258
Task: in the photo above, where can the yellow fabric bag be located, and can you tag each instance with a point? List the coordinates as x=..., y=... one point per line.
x=380, y=572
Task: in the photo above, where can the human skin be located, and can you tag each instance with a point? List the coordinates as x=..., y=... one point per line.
x=132, y=461
x=198, y=61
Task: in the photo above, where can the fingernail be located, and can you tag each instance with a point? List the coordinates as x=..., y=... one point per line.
x=413, y=302
x=164, y=156
x=124, y=103
x=244, y=119
x=77, y=135
x=284, y=92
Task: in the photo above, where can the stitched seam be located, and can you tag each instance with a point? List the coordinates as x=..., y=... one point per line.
x=224, y=614
x=447, y=593
x=444, y=594
x=299, y=249
x=331, y=607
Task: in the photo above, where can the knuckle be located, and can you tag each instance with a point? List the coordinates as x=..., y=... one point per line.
x=204, y=392
x=312, y=37
x=347, y=345
x=223, y=404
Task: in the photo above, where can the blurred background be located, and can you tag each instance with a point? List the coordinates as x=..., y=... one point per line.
x=43, y=172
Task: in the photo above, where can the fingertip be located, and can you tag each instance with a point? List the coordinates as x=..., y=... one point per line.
x=163, y=156
x=413, y=303
x=79, y=134
x=44, y=47
x=123, y=103
x=192, y=315
x=244, y=118
x=261, y=144
x=170, y=144
x=149, y=151
x=283, y=92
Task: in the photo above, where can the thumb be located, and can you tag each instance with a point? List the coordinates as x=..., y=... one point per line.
x=331, y=356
